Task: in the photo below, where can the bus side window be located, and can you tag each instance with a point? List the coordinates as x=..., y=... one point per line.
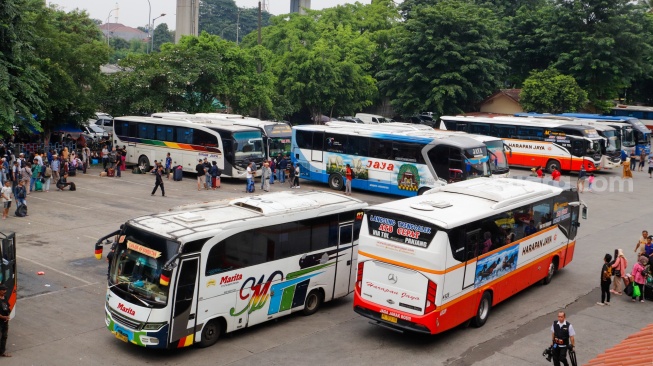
x=457, y=243
x=542, y=214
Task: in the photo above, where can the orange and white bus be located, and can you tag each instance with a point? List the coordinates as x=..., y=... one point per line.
x=429, y=263
x=538, y=142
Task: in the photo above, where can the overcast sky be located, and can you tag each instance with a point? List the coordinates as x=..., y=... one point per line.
x=134, y=13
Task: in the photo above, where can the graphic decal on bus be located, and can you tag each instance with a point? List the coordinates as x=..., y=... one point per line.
x=336, y=164
x=408, y=177
x=172, y=145
x=496, y=265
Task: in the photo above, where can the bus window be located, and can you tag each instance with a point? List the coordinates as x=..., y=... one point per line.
x=165, y=133
x=381, y=150
x=146, y=131
x=184, y=135
x=457, y=243
x=503, y=131
x=479, y=128
x=357, y=145
x=304, y=139
x=409, y=152
x=204, y=138
x=530, y=133
x=335, y=142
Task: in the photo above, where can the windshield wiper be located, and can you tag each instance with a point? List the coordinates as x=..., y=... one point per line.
x=130, y=293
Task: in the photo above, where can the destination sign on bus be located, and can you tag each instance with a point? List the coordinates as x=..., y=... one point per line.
x=400, y=229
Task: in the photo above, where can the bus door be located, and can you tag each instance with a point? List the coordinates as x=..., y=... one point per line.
x=8, y=267
x=184, y=307
x=472, y=240
x=342, y=285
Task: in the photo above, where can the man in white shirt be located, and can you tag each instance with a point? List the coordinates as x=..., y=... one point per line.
x=6, y=199
x=563, y=337
x=250, y=177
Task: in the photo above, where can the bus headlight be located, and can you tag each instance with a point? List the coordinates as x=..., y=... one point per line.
x=153, y=326
x=149, y=341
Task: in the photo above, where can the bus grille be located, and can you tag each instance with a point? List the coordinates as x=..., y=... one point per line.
x=125, y=321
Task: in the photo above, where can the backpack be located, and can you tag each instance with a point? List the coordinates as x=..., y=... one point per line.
x=21, y=211
x=607, y=273
x=48, y=172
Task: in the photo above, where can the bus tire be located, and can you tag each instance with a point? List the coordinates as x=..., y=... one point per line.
x=422, y=190
x=552, y=164
x=144, y=162
x=553, y=267
x=313, y=302
x=483, y=311
x=336, y=182
x=211, y=333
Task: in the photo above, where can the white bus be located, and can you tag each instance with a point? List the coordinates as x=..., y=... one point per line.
x=427, y=264
x=537, y=142
x=384, y=159
x=148, y=139
x=186, y=276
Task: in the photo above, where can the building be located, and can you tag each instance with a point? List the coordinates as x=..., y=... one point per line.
x=117, y=30
x=505, y=101
x=299, y=6
x=187, y=18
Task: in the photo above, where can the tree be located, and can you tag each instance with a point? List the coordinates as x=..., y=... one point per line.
x=22, y=83
x=549, y=91
x=219, y=17
x=444, y=59
x=162, y=35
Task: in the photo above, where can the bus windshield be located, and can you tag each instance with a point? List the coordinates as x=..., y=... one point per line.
x=476, y=162
x=248, y=145
x=628, y=137
x=498, y=160
x=137, y=264
x=279, y=146
x=613, y=143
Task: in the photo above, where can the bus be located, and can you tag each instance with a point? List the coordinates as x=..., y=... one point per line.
x=8, y=270
x=537, y=143
x=641, y=113
x=499, y=167
x=189, y=275
x=611, y=148
x=148, y=139
x=387, y=160
x=427, y=264
x=642, y=133
x=276, y=135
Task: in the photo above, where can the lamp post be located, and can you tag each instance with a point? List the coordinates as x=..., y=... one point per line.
x=153, y=20
x=149, y=24
x=237, y=25
x=109, y=16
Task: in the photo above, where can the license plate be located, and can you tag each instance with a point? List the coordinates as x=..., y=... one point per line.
x=389, y=318
x=122, y=337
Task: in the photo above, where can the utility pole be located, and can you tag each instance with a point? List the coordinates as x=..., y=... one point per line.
x=258, y=64
x=237, y=25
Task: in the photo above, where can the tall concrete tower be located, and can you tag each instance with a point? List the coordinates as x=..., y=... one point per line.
x=188, y=12
x=298, y=6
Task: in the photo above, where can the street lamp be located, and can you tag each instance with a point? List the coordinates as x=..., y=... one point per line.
x=109, y=16
x=149, y=24
x=153, y=20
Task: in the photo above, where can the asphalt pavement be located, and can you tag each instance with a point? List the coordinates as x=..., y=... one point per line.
x=60, y=315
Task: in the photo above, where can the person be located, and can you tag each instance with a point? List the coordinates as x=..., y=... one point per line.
x=105, y=157
x=47, y=175
x=633, y=160
x=63, y=183
x=168, y=167
x=582, y=174
x=123, y=158
x=5, y=192
x=36, y=174
x=648, y=247
x=555, y=175
x=590, y=180
x=348, y=176
x=249, y=174
x=26, y=175
x=540, y=172
x=20, y=194
x=294, y=175
x=5, y=311
x=618, y=270
x=530, y=229
x=273, y=169
x=199, y=168
x=65, y=153
x=487, y=242
x=117, y=165
x=207, y=174
x=641, y=243
x=650, y=166
x=113, y=160
x=56, y=165
x=215, y=175
x=510, y=236
x=642, y=160
x=639, y=280
x=563, y=337
x=265, y=178
x=606, y=279
x=281, y=169
x=159, y=181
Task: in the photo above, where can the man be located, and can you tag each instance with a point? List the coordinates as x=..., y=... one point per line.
x=207, y=174
x=63, y=183
x=642, y=242
x=105, y=157
x=56, y=165
x=555, y=175
x=168, y=167
x=159, y=181
x=348, y=176
x=563, y=338
x=530, y=229
x=199, y=168
x=281, y=169
x=250, y=177
x=5, y=192
x=5, y=310
x=582, y=175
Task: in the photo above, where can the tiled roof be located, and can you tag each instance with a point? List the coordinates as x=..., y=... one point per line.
x=510, y=93
x=635, y=350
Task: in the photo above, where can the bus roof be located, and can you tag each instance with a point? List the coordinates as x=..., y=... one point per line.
x=187, y=122
x=192, y=222
x=522, y=121
x=565, y=120
x=462, y=202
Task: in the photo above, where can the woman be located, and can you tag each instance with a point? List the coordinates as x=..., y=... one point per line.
x=267, y=172
x=639, y=278
x=540, y=172
x=64, y=153
x=619, y=269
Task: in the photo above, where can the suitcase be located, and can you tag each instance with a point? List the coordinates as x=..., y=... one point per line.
x=111, y=172
x=72, y=186
x=215, y=182
x=38, y=186
x=177, y=174
x=21, y=211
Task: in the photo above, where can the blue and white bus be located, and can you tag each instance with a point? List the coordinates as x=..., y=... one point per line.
x=387, y=160
x=642, y=133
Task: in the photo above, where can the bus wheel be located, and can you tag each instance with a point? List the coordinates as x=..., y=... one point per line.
x=313, y=302
x=144, y=162
x=336, y=182
x=483, y=311
x=422, y=191
x=210, y=334
x=551, y=164
x=553, y=267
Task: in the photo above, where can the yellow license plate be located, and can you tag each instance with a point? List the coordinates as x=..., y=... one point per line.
x=122, y=337
x=389, y=318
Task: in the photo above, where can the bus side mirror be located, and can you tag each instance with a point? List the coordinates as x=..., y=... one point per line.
x=584, y=212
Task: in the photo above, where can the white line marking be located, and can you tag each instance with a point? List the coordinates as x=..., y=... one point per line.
x=58, y=202
x=55, y=292
x=54, y=269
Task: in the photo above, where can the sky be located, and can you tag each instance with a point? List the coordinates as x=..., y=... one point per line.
x=134, y=13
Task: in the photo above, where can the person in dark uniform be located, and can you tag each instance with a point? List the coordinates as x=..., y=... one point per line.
x=159, y=181
x=5, y=310
x=562, y=334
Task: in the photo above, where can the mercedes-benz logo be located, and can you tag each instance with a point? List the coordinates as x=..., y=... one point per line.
x=390, y=301
x=392, y=278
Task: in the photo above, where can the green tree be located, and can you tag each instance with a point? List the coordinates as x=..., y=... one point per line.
x=219, y=17
x=549, y=91
x=444, y=59
x=22, y=83
x=162, y=35
x=72, y=51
